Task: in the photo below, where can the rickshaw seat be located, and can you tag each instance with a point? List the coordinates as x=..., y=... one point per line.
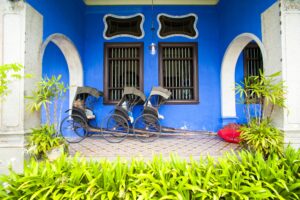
x=79, y=105
x=119, y=110
x=151, y=111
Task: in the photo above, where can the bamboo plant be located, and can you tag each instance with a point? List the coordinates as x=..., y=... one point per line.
x=261, y=91
x=49, y=91
x=261, y=94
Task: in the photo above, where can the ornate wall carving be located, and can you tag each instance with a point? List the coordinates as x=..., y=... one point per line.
x=289, y=5
x=184, y=26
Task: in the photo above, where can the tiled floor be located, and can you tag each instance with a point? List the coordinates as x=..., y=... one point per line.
x=96, y=147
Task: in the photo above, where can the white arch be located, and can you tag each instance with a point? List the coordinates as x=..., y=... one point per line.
x=72, y=57
x=229, y=62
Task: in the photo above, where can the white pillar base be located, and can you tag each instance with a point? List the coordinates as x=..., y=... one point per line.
x=11, y=157
x=281, y=24
x=292, y=138
x=21, y=35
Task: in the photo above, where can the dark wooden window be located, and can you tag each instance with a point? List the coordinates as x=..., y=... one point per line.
x=123, y=66
x=253, y=63
x=178, y=71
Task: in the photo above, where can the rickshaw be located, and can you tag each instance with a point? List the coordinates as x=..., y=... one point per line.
x=76, y=126
x=118, y=124
x=115, y=127
x=147, y=126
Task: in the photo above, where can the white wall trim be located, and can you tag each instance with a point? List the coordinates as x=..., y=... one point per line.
x=177, y=16
x=290, y=66
x=149, y=2
x=228, y=101
x=124, y=17
x=72, y=57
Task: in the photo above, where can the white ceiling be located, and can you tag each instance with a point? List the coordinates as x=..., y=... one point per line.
x=149, y=2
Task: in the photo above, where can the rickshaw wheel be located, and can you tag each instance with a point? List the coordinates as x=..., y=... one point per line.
x=115, y=128
x=147, y=128
x=73, y=129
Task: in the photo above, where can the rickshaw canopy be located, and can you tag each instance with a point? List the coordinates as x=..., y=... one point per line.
x=89, y=91
x=160, y=91
x=134, y=91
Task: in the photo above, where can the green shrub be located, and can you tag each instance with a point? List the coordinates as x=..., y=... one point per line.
x=263, y=137
x=243, y=176
x=41, y=140
x=7, y=72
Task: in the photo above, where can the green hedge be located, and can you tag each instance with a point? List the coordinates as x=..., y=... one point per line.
x=243, y=176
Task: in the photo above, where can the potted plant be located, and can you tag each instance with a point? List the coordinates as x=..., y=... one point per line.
x=261, y=94
x=43, y=144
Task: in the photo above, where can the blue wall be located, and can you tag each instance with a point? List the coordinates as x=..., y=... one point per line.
x=240, y=16
x=206, y=114
x=64, y=17
x=237, y=17
x=217, y=26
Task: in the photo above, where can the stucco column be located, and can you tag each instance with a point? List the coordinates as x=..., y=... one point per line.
x=281, y=36
x=20, y=39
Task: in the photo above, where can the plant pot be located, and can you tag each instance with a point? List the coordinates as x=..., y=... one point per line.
x=56, y=152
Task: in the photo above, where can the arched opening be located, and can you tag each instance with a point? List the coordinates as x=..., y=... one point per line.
x=72, y=58
x=229, y=63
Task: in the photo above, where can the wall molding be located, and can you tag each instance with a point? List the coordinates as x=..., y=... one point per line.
x=178, y=17
x=290, y=5
x=235, y=48
x=73, y=59
x=149, y=2
x=124, y=17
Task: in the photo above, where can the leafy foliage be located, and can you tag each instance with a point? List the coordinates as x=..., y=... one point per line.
x=259, y=134
x=263, y=137
x=7, y=73
x=267, y=90
x=48, y=91
x=41, y=140
x=242, y=176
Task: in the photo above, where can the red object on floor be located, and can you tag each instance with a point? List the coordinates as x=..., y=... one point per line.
x=230, y=133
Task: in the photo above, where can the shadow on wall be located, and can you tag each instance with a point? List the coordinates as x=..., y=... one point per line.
x=54, y=64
